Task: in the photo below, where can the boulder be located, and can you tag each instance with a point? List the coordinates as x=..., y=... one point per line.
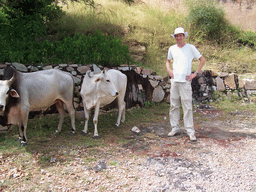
x=230, y=81
x=73, y=65
x=201, y=81
x=138, y=70
x=241, y=83
x=63, y=65
x=250, y=84
x=77, y=80
x=153, y=83
x=220, y=84
x=69, y=69
x=158, y=77
x=1, y=72
x=2, y=66
x=47, y=67
x=158, y=94
x=32, y=68
x=223, y=74
x=146, y=71
x=83, y=69
x=20, y=67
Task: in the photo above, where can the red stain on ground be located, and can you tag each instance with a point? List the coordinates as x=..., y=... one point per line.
x=166, y=153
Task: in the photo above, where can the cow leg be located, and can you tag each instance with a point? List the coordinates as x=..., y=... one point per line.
x=23, y=138
x=121, y=111
x=71, y=112
x=60, y=108
x=86, y=119
x=23, y=129
x=95, y=121
x=20, y=133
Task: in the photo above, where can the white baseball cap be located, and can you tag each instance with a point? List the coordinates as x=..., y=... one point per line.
x=180, y=30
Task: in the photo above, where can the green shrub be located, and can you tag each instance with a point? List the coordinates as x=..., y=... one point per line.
x=93, y=48
x=207, y=19
x=247, y=38
x=26, y=26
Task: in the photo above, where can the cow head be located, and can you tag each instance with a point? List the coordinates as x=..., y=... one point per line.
x=6, y=91
x=103, y=83
x=106, y=85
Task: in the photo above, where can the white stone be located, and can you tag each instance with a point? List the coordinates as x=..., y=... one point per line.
x=136, y=129
x=154, y=83
x=20, y=67
x=158, y=94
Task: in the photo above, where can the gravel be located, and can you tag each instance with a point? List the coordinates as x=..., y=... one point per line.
x=221, y=160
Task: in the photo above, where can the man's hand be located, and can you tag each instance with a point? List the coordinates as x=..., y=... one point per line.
x=171, y=74
x=191, y=76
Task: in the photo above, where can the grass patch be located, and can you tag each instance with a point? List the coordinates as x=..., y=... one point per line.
x=42, y=140
x=43, y=145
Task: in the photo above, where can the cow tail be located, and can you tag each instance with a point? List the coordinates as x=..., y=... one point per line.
x=73, y=89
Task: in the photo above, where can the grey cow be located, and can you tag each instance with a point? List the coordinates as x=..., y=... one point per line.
x=21, y=93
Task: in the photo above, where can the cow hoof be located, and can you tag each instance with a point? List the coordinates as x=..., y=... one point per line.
x=116, y=126
x=23, y=144
x=56, y=132
x=72, y=133
x=83, y=133
x=96, y=137
x=19, y=139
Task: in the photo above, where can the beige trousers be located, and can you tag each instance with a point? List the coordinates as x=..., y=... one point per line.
x=181, y=91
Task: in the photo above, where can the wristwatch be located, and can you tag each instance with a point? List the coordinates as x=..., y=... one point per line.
x=196, y=72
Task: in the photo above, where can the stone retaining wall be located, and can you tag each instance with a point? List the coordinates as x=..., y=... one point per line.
x=204, y=85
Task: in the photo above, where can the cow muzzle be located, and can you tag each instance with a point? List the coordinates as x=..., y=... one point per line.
x=114, y=93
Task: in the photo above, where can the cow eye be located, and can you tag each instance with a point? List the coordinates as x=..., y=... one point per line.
x=108, y=80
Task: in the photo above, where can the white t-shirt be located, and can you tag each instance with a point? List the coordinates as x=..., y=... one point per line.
x=182, y=60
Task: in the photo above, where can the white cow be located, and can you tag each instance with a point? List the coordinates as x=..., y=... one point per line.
x=21, y=93
x=101, y=89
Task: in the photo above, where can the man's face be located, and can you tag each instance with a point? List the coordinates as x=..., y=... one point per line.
x=179, y=37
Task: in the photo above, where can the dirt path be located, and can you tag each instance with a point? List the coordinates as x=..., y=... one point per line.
x=223, y=159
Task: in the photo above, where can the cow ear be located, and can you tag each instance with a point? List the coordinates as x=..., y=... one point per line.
x=14, y=93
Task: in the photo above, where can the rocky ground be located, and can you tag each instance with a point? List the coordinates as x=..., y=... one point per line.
x=223, y=159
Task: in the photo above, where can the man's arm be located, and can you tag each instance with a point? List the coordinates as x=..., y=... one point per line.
x=168, y=67
x=200, y=66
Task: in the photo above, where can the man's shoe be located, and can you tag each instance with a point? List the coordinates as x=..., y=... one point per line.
x=174, y=131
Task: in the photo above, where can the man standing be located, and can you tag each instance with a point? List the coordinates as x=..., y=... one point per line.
x=182, y=55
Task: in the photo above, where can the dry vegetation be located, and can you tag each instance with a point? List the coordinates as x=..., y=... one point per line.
x=151, y=22
x=242, y=13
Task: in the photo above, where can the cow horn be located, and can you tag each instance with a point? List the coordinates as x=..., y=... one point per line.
x=96, y=69
x=10, y=81
x=89, y=74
